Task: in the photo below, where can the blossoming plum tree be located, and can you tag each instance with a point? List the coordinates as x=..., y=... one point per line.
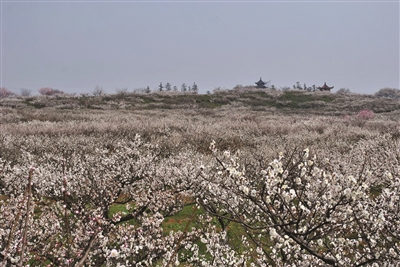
x=299, y=208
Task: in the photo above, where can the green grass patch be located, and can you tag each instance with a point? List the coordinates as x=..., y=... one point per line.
x=292, y=99
x=147, y=99
x=108, y=98
x=255, y=95
x=234, y=232
x=212, y=105
x=157, y=106
x=376, y=190
x=182, y=220
x=259, y=103
x=34, y=104
x=115, y=208
x=202, y=101
x=257, y=99
x=121, y=208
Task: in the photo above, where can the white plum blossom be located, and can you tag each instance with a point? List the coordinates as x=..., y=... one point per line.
x=114, y=253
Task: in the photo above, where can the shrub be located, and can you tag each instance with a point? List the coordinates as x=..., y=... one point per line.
x=365, y=114
x=144, y=90
x=98, y=91
x=26, y=92
x=121, y=91
x=343, y=91
x=4, y=92
x=49, y=91
x=388, y=93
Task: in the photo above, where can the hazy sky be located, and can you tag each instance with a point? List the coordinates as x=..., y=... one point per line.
x=76, y=45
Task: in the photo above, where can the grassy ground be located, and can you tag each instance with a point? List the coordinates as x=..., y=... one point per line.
x=288, y=101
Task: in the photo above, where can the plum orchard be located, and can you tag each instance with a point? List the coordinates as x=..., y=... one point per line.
x=316, y=205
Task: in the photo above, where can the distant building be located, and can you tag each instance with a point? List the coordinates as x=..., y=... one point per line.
x=261, y=84
x=325, y=87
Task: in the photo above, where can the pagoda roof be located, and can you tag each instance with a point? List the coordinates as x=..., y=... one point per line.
x=260, y=81
x=261, y=84
x=325, y=87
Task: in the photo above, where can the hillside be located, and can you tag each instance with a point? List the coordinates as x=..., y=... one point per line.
x=318, y=103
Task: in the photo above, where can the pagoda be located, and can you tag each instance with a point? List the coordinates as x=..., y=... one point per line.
x=261, y=84
x=325, y=87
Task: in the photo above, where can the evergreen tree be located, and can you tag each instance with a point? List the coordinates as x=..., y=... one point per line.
x=183, y=87
x=160, y=87
x=168, y=87
x=195, y=88
x=175, y=88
